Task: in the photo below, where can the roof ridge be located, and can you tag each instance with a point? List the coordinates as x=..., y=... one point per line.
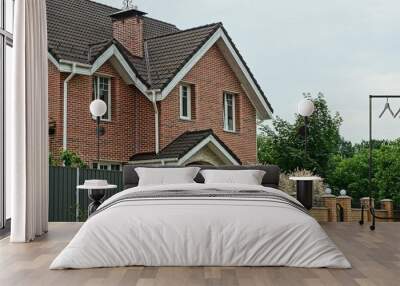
x=125, y=50
x=216, y=27
x=161, y=21
x=99, y=42
x=180, y=136
x=218, y=24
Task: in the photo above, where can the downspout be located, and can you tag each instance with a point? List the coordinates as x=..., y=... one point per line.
x=153, y=98
x=65, y=106
x=157, y=131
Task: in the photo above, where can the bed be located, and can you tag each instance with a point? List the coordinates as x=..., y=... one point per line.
x=197, y=224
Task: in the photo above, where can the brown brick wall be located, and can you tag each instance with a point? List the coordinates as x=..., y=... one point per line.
x=128, y=106
x=55, y=108
x=145, y=125
x=211, y=76
x=132, y=126
x=321, y=214
x=129, y=32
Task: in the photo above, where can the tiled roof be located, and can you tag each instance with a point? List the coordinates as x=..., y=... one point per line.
x=168, y=53
x=73, y=25
x=80, y=30
x=181, y=146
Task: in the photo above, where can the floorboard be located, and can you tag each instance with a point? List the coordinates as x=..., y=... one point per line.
x=375, y=257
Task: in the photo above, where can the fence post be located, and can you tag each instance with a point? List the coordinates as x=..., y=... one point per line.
x=387, y=204
x=365, y=202
x=345, y=202
x=77, y=196
x=329, y=201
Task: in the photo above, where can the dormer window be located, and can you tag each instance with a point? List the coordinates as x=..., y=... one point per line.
x=185, y=99
x=229, y=112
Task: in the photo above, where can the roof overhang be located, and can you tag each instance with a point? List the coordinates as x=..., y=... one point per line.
x=255, y=94
x=210, y=142
x=214, y=145
x=220, y=38
x=111, y=54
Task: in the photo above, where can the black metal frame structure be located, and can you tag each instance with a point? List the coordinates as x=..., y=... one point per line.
x=372, y=207
x=6, y=39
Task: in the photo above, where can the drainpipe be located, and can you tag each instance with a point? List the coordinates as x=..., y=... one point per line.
x=65, y=107
x=154, y=101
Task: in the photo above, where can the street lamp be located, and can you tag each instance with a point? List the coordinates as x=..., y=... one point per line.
x=98, y=108
x=305, y=108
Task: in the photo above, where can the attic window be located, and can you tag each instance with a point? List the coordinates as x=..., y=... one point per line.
x=185, y=102
x=229, y=112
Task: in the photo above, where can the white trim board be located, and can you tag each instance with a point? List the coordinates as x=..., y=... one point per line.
x=215, y=146
x=53, y=60
x=210, y=139
x=153, y=161
x=219, y=37
x=117, y=60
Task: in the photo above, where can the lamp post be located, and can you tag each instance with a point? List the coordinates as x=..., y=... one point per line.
x=305, y=108
x=98, y=108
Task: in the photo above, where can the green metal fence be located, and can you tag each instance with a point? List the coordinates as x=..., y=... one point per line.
x=62, y=191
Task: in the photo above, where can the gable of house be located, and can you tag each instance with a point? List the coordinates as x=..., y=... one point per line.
x=209, y=79
x=191, y=147
x=168, y=53
x=156, y=57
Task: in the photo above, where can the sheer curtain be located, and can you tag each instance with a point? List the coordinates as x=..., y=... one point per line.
x=27, y=124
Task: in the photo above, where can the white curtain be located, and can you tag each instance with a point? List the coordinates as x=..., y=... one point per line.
x=27, y=124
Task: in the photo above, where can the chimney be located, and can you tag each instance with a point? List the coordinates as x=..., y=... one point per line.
x=127, y=28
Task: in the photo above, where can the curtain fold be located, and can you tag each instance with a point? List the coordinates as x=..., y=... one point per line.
x=27, y=123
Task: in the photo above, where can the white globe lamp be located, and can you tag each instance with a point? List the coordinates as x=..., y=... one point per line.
x=343, y=192
x=98, y=108
x=328, y=191
x=305, y=107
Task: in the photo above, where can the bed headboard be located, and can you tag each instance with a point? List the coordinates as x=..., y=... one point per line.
x=271, y=177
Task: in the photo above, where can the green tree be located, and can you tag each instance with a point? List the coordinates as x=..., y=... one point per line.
x=351, y=173
x=346, y=148
x=67, y=158
x=71, y=159
x=286, y=145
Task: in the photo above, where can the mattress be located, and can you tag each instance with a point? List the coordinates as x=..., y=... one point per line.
x=201, y=225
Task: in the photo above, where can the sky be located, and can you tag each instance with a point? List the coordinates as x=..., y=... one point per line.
x=344, y=49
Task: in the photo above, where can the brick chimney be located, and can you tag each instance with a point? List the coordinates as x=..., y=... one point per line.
x=128, y=30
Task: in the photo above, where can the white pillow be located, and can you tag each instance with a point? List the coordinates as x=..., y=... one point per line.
x=243, y=177
x=166, y=176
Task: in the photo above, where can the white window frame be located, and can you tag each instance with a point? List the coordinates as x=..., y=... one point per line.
x=107, y=165
x=189, y=102
x=226, y=124
x=6, y=42
x=97, y=93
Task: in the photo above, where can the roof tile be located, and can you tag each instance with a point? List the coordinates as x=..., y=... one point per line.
x=181, y=146
x=80, y=30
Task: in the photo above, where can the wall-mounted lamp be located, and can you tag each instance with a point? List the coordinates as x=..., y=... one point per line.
x=98, y=108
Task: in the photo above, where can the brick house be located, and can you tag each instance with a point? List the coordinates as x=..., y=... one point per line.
x=173, y=96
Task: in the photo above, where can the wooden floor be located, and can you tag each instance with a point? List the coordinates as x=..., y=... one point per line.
x=375, y=257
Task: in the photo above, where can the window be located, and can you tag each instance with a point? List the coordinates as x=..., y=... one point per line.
x=185, y=98
x=229, y=112
x=102, y=90
x=6, y=64
x=9, y=16
x=107, y=166
x=115, y=167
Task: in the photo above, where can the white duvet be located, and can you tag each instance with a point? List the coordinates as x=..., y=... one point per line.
x=202, y=232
